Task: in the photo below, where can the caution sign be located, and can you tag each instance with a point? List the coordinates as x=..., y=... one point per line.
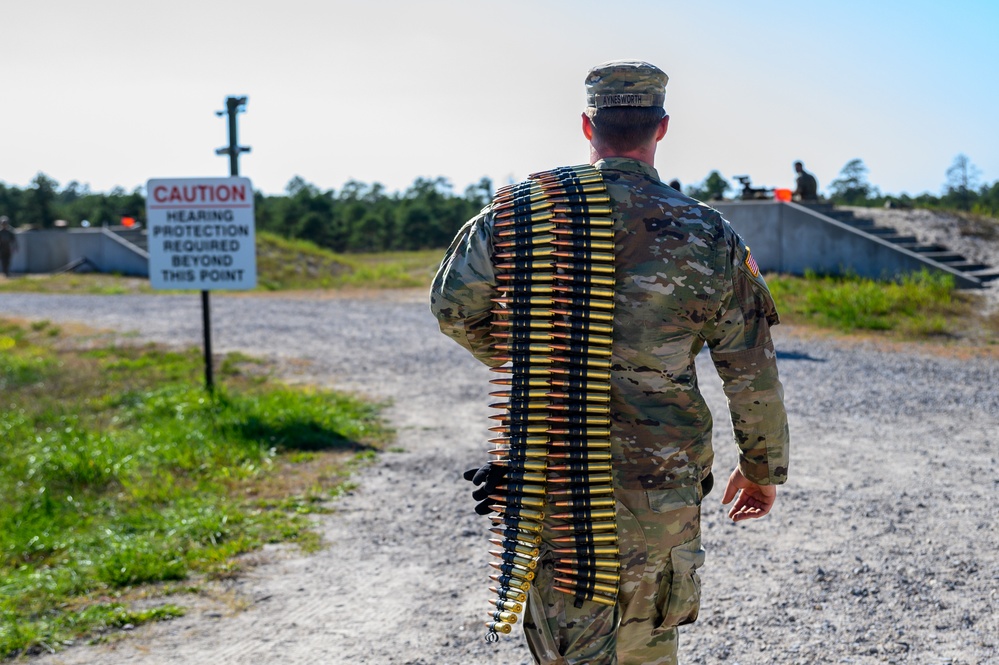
x=201, y=234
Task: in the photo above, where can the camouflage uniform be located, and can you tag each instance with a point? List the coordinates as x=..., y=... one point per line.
x=683, y=278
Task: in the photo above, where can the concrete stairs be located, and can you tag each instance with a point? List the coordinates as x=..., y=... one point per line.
x=932, y=251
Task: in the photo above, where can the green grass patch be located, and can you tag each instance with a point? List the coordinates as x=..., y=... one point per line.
x=282, y=265
x=118, y=470
x=920, y=305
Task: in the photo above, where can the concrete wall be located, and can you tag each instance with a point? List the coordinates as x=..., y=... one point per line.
x=50, y=250
x=789, y=238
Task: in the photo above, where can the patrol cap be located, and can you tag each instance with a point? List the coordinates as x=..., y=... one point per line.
x=625, y=83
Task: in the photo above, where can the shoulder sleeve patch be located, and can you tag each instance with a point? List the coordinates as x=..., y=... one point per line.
x=754, y=269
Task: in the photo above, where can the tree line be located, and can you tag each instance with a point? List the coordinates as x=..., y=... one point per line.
x=963, y=190
x=367, y=218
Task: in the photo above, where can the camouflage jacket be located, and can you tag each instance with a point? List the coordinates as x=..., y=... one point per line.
x=683, y=278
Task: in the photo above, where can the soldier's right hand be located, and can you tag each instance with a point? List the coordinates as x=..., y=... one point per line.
x=487, y=477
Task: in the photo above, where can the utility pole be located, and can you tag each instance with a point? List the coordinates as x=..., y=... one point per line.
x=233, y=106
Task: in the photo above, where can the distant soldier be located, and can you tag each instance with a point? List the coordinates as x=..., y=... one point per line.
x=8, y=245
x=806, y=188
x=683, y=279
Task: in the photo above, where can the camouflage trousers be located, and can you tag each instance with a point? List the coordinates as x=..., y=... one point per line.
x=660, y=542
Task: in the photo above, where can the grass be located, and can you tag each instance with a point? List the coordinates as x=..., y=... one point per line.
x=923, y=306
x=282, y=265
x=119, y=473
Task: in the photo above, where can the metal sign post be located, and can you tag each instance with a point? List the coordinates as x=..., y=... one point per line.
x=202, y=232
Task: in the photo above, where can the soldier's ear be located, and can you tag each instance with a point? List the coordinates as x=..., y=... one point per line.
x=587, y=127
x=661, y=130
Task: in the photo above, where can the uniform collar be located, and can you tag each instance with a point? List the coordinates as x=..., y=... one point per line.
x=628, y=165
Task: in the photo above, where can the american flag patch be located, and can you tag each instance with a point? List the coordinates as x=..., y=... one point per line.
x=751, y=264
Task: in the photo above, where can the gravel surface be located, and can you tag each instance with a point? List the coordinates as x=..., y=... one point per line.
x=882, y=547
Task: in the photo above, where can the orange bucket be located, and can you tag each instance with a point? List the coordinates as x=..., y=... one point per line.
x=782, y=194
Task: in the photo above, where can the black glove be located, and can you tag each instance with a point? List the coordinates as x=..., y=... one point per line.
x=707, y=484
x=488, y=475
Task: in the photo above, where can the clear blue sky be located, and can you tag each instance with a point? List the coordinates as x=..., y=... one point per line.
x=114, y=92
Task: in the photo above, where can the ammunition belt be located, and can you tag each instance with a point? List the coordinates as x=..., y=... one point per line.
x=554, y=261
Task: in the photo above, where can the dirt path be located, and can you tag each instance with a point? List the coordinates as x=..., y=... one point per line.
x=882, y=548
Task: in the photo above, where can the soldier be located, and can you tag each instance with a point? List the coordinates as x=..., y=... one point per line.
x=683, y=278
x=8, y=245
x=806, y=187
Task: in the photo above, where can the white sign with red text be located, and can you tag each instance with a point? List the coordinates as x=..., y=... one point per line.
x=201, y=233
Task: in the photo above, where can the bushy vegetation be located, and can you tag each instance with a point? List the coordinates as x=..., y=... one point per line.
x=963, y=191
x=917, y=306
x=117, y=471
x=358, y=218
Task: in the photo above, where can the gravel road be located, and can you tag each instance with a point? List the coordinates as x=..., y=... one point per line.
x=882, y=548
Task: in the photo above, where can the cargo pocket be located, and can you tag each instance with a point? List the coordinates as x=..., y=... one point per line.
x=680, y=591
x=544, y=614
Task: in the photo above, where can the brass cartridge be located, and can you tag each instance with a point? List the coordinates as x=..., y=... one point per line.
x=578, y=479
x=579, y=454
x=515, y=559
x=574, y=584
x=517, y=511
x=519, y=500
x=526, y=277
x=579, y=432
x=584, y=315
x=525, y=347
x=583, y=232
x=534, y=251
x=577, y=349
x=522, y=465
x=588, y=538
x=602, y=268
x=580, y=361
x=520, y=381
x=526, y=241
x=585, y=290
x=521, y=429
x=581, y=373
x=591, y=327
x=499, y=627
x=524, y=220
x=578, y=396
x=505, y=617
x=510, y=581
x=522, y=441
x=516, y=522
x=586, y=466
x=521, y=393
x=563, y=209
x=514, y=571
x=585, y=244
x=521, y=371
x=520, y=535
x=586, y=222
x=586, y=502
x=584, y=448
x=584, y=514
x=595, y=258
x=516, y=546
x=506, y=593
x=575, y=303
x=602, y=576
x=575, y=384
x=580, y=414
x=592, y=597
x=523, y=335
x=604, y=564
x=512, y=231
x=587, y=527
x=590, y=551
x=524, y=300
x=524, y=324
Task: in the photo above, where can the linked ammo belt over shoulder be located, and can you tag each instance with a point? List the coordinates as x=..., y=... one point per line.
x=554, y=261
